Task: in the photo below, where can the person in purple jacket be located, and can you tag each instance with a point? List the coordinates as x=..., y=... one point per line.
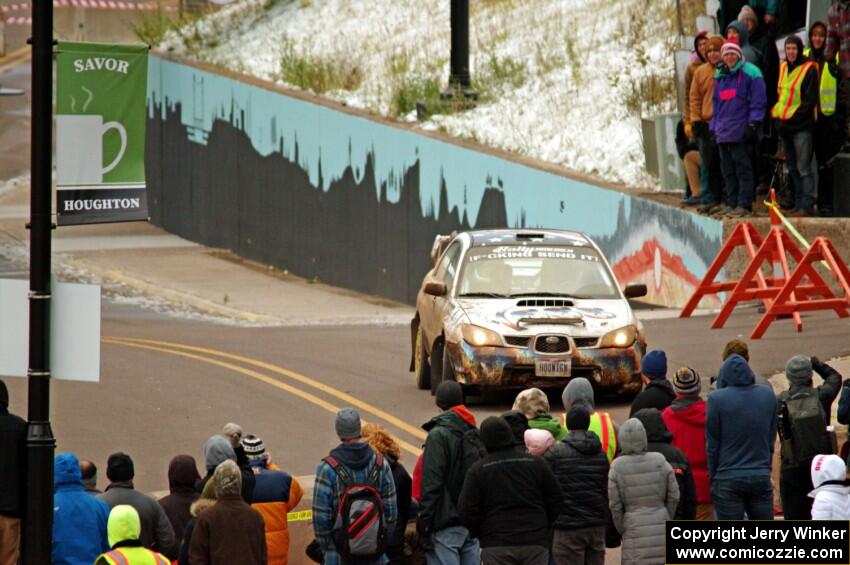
x=739, y=104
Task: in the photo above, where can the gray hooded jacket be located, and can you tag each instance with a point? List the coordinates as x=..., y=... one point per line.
x=642, y=493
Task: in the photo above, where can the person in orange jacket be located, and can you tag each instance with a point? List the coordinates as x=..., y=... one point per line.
x=276, y=493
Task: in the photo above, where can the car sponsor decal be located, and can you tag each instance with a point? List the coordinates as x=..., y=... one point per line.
x=531, y=252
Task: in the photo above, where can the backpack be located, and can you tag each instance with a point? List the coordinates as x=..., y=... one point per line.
x=359, y=532
x=802, y=428
x=471, y=450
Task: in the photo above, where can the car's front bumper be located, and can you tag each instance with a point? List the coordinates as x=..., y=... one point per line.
x=608, y=368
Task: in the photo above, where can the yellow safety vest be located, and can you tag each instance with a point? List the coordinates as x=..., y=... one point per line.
x=790, y=90
x=133, y=556
x=603, y=426
x=828, y=88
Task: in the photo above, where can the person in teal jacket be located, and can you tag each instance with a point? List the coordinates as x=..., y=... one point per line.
x=79, y=519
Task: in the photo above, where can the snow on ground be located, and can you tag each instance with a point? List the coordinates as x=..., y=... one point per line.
x=564, y=81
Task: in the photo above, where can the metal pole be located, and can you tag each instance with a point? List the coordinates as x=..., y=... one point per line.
x=460, y=44
x=38, y=517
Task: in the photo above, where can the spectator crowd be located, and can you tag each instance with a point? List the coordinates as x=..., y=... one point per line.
x=528, y=486
x=748, y=109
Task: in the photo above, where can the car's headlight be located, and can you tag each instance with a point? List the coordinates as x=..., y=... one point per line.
x=623, y=337
x=479, y=337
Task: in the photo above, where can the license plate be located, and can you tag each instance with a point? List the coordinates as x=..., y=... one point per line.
x=553, y=367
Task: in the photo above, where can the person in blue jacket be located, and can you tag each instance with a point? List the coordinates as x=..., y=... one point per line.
x=739, y=103
x=740, y=432
x=79, y=519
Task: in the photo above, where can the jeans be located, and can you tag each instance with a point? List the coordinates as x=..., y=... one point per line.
x=515, y=555
x=828, y=138
x=454, y=546
x=743, y=496
x=737, y=166
x=799, y=151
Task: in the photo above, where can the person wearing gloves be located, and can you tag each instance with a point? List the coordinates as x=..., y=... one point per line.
x=739, y=104
x=804, y=414
x=642, y=494
x=534, y=404
x=832, y=490
x=658, y=392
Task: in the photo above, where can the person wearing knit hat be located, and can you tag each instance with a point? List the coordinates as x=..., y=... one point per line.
x=258, y=456
x=581, y=468
x=233, y=433
x=658, y=392
x=538, y=441
x=156, y=530
x=700, y=46
x=794, y=476
x=685, y=418
x=534, y=404
x=794, y=115
x=439, y=517
x=352, y=462
x=218, y=449
x=212, y=536
x=579, y=392
x=701, y=110
x=739, y=103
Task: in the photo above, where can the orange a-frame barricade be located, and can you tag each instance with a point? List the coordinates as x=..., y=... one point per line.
x=785, y=301
x=744, y=235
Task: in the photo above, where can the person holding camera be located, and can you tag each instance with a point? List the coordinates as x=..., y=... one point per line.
x=804, y=414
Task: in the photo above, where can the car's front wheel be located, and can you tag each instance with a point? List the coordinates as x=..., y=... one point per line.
x=421, y=366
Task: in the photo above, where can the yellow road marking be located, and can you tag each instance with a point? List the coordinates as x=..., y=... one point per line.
x=249, y=373
x=375, y=411
x=16, y=57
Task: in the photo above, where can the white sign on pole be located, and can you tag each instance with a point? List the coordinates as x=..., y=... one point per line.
x=74, y=330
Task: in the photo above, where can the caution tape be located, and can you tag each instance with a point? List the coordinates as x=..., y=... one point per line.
x=99, y=4
x=300, y=516
x=788, y=225
x=17, y=20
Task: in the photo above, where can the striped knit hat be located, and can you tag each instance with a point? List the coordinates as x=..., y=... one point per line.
x=686, y=381
x=731, y=47
x=254, y=447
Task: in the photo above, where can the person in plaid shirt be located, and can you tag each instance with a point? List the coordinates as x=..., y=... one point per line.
x=358, y=458
x=838, y=41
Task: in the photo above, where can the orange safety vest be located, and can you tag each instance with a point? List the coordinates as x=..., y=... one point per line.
x=603, y=426
x=790, y=86
x=133, y=556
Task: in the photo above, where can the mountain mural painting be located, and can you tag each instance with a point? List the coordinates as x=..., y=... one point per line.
x=356, y=202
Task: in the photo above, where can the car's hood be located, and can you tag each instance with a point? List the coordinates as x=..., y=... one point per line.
x=584, y=318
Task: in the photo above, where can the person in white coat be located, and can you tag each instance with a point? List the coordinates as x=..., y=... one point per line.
x=832, y=489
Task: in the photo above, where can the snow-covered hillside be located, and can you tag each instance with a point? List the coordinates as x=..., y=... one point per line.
x=564, y=81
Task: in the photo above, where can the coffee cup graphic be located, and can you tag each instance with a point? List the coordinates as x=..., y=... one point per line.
x=79, y=149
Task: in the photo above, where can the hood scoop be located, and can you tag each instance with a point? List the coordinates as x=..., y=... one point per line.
x=544, y=302
x=575, y=321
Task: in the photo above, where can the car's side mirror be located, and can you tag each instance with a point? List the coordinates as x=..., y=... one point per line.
x=437, y=289
x=634, y=290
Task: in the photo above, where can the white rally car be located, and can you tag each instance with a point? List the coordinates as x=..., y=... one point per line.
x=518, y=308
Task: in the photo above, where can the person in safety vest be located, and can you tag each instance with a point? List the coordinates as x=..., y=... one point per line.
x=124, y=529
x=794, y=115
x=580, y=392
x=828, y=133
x=838, y=46
x=738, y=108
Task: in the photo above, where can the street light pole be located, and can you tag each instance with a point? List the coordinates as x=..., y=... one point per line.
x=40, y=444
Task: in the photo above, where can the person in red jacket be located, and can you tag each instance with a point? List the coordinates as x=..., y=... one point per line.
x=685, y=418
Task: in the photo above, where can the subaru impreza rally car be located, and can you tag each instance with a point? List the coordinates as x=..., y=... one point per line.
x=519, y=308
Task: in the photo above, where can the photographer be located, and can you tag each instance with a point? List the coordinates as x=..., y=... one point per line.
x=803, y=417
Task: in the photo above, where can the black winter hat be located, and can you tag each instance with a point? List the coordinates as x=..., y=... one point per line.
x=449, y=394
x=578, y=418
x=496, y=433
x=119, y=468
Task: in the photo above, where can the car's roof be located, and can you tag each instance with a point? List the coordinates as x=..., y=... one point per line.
x=514, y=236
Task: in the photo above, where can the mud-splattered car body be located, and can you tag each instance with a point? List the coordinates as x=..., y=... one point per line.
x=513, y=336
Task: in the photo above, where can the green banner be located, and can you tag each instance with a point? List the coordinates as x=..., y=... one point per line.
x=100, y=132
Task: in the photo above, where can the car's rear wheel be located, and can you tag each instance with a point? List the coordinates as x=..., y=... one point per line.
x=436, y=365
x=421, y=366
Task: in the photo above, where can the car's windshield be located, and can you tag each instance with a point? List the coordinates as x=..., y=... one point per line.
x=519, y=270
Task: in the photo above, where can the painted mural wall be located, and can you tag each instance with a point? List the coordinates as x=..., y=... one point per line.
x=356, y=202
